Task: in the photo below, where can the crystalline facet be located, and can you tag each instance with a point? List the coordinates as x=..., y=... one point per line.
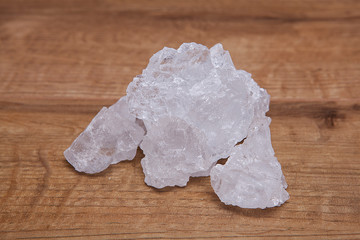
x=112, y=136
x=174, y=151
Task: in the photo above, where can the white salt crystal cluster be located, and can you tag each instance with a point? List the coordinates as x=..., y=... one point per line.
x=195, y=107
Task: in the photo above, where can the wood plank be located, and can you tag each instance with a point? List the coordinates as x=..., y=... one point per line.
x=61, y=61
x=209, y=9
x=320, y=163
x=44, y=57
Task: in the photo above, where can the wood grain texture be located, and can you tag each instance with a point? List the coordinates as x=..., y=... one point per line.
x=61, y=61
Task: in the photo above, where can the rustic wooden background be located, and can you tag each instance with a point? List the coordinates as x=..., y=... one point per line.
x=61, y=61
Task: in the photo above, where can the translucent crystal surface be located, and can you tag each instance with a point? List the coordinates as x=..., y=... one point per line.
x=252, y=176
x=112, y=136
x=174, y=151
x=198, y=92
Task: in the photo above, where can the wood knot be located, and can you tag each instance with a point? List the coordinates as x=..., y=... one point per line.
x=331, y=116
x=356, y=107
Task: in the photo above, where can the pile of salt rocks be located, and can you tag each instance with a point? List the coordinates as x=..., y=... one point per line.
x=189, y=108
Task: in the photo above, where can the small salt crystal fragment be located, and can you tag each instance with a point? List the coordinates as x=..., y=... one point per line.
x=112, y=136
x=252, y=176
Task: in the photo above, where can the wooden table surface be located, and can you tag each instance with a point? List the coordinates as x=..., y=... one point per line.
x=61, y=61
